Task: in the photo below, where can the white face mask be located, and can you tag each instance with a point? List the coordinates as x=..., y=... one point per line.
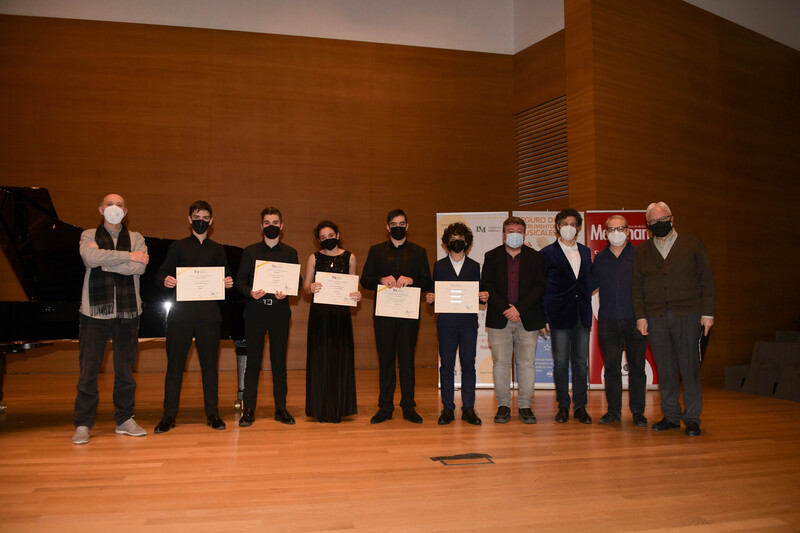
x=113, y=214
x=567, y=232
x=514, y=240
x=617, y=238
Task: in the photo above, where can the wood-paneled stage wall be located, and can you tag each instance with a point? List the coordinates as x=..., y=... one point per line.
x=664, y=102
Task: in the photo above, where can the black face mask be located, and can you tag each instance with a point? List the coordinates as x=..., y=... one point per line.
x=457, y=246
x=329, y=244
x=272, y=232
x=661, y=229
x=398, y=232
x=200, y=226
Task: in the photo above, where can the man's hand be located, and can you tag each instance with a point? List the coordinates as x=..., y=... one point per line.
x=280, y=295
x=170, y=282
x=512, y=314
x=139, y=257
x=707, y=322
x=228, y=282
x=388, y=281
x=483, y=296
x=430, y=297
x=257, y=295
x=545, y=331
x=641, y=325
x=404, y=281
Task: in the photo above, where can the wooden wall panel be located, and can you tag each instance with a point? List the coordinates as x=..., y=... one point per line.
x=320, y=128
x=701, y=113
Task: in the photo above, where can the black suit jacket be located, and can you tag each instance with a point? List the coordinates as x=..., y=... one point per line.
x=531, y=287
x=381, y=263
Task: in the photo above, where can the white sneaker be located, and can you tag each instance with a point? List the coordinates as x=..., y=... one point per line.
x=81, y=435
x=130, y=427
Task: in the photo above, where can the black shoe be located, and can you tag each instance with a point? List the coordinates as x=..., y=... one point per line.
x=503, y=415
x=283, y=416
x=582, y=416
x=167, y=423
x=446, y=417
x=563, y=415
x=412, y=416
x=610, y=418
x=640, y=420
x=471, y=417
x=664, y=424
x=215, y=422
x=526, y=416
x=381, y=416
x=248, y=417
x=692, y=429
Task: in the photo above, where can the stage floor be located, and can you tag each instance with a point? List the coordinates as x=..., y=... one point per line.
x=742, y=474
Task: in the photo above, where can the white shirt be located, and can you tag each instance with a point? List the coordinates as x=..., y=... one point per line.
x=573, y=256
x=457, y=264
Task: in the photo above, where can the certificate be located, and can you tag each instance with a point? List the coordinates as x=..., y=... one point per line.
x=456, y=297
x=336, y=288
x=200, y=283
x=397, y=303
x=272, y=277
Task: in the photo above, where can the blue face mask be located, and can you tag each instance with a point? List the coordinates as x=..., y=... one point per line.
x=514, y=240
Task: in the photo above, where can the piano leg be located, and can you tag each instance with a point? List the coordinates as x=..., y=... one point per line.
x=241, y=365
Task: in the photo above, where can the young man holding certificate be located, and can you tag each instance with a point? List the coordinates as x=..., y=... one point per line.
x=269, y=272
x=457, y=330
x=197, y=269
x=392, y=267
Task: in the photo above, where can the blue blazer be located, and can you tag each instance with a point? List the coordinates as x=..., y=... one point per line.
x=443, y=271
x=566, y=298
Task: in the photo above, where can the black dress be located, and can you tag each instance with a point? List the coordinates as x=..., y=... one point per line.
x=330, y=368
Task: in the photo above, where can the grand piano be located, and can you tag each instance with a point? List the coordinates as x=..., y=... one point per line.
x=42, y=252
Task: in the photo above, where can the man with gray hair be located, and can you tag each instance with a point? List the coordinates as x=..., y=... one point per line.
x=110, y=310
x=673, y=300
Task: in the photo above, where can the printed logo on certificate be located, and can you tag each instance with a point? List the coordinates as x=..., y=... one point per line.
x=272, y=277
x=456, y=297
x=200, y=283
x=397, y=303
x=336, y=289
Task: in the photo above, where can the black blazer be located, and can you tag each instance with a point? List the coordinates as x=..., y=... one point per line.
x=380, y=263
x=531, y=287
x=443, y=271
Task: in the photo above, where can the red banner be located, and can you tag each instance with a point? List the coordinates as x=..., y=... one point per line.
x=594, y=224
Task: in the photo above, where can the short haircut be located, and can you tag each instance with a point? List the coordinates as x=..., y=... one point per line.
x=652, y=206
x=396, y=213
x=617, y=216
x=458, y=228
x=201, y=205
x=271, y=211
x=569, y=212
x=325, y=224
x=514, y=221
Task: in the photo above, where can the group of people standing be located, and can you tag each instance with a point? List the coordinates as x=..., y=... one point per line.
x=666, y=291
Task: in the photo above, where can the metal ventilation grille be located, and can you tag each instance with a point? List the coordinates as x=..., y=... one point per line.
x=542, y=152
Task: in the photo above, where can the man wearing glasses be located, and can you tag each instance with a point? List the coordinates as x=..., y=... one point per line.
x=612, y=274
x=673, y=300
x=568, y=312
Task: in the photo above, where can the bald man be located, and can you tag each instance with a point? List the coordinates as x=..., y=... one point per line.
x=110, y=310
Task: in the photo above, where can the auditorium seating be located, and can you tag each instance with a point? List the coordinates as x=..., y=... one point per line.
x=774, y=369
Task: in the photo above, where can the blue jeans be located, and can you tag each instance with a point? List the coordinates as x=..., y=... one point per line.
x=571, y=346
x=513, y=340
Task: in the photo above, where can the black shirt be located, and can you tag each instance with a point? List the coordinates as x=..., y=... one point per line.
x=190, y=252
x=614, y=277
x=281, y=253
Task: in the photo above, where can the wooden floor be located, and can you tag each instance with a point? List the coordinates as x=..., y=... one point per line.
x=742, y=474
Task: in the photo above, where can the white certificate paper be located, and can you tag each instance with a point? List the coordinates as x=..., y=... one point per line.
x=456, y=297
x=336, y=288
x=272, y=277
x=200, y=283
x=397, y=303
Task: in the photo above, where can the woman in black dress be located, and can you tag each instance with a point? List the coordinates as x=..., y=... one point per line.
x=330, y=368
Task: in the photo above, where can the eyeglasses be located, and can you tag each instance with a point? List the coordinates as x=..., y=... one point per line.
x=621, y=229
x=662, y=219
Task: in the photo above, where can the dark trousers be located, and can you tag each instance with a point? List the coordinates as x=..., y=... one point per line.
x=674, y=340
x=179, y=341
x=613, y=336
x=571, y=347
x=93, y=337
x=260, y=319
x=463, y=340
x=396, y=339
